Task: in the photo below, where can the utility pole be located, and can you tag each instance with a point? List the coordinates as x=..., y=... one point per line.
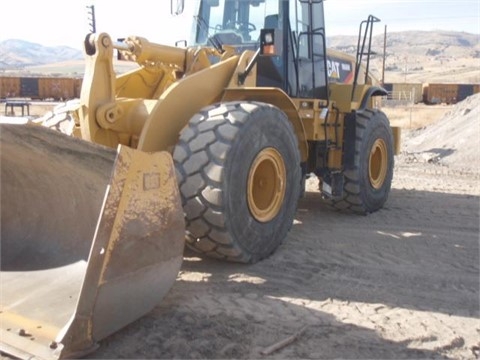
x=406, y=69
x=91, y=18
x=384, y=55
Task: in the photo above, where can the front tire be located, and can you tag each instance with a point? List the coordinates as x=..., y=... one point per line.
x=238, y=168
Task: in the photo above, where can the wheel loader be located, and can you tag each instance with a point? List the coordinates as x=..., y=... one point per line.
x=207, y=144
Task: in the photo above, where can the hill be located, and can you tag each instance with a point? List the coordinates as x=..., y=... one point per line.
x=421, y=56
x=20, y=54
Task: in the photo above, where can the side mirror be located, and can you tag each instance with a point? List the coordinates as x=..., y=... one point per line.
x=177, y=6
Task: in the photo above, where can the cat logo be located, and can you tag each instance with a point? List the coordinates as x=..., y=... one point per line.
x=333, y=68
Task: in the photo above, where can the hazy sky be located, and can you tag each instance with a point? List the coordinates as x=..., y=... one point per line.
x=64, y=22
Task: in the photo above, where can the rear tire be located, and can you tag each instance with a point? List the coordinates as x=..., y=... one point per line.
x=238, y=168
x=367, y=185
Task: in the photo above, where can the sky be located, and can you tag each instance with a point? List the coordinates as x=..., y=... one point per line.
x=64, y=22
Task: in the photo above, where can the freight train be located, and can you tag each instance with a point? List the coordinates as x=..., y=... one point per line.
x=340, y=70
x=40, y=88
x=431, y=93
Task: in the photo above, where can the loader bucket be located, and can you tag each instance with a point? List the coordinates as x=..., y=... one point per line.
x=91, y=240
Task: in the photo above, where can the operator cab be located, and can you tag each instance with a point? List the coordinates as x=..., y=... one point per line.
x=296, y=62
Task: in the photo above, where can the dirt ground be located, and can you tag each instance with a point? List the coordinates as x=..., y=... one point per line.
x=401, y=283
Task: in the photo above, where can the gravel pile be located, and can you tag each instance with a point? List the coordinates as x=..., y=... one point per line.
x=453, y=141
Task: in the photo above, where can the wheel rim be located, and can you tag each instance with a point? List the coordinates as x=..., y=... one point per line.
x=266, y=185
x=377, y=169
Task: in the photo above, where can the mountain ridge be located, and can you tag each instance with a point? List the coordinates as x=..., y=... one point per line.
x=18, y=53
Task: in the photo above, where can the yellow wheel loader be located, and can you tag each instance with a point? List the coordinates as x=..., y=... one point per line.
x=208, y=144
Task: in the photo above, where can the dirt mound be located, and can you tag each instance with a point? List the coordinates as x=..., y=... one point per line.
x=453, y=141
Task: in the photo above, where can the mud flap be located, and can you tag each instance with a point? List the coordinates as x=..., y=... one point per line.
x=61, y=292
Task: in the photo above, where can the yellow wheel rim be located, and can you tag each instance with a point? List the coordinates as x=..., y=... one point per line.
x=378, y=164
x=266, y=185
